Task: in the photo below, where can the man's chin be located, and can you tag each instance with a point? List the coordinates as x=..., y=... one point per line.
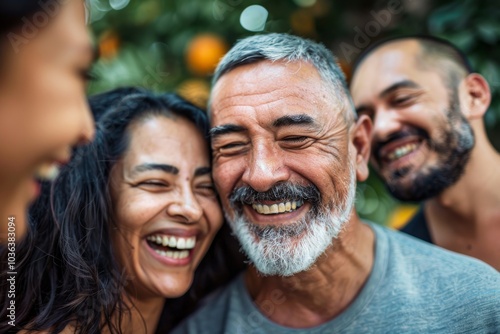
x=285, y=250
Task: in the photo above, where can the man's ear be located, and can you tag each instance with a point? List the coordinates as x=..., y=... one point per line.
x=361, y=138
x=475, y=95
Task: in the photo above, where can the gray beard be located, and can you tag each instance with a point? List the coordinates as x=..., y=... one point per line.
x=293, y=248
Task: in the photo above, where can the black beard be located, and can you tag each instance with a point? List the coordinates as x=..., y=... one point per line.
x=454, y=151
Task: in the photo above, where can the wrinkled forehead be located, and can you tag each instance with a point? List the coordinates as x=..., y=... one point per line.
x=269, y=87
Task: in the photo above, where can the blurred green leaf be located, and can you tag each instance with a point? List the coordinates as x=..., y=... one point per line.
x=453, y=14
x=489, y=31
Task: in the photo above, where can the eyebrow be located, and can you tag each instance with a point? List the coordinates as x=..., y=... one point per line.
x=287, y=120
x=389, y=90
x=398, y=85
x=225, y=129
x=151, y=166
x=202, y=171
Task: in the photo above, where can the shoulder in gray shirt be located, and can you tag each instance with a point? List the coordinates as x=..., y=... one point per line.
x=414, y=287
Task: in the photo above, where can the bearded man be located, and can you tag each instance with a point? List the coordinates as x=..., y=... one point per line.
x=287, y=151
x=429, y=143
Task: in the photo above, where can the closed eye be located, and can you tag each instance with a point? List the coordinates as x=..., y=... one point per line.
x=232, y=148
x=403, y=100
x=296, y=142
x=295, y=139
x=154, y=185
x=87, y=75
x=206, y=189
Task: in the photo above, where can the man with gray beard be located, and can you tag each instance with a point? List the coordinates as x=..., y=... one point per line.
x=429, y=142
x=287, y=152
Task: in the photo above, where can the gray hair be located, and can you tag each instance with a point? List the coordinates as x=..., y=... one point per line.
x=275, y=47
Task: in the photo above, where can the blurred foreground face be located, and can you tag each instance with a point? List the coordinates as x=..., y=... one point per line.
x=166, y=209
x=421, y=140
x=43, y=109
x=282, y=162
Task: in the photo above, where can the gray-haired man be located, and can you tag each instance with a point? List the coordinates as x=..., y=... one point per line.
x=287, y=151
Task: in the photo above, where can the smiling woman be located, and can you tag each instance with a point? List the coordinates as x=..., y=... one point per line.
x=45, y=52
x=135, y=212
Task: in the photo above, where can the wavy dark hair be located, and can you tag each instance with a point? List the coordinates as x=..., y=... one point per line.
x=67, y=273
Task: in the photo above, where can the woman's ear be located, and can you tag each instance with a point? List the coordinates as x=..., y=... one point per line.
x=475, y=96
x=361, y=139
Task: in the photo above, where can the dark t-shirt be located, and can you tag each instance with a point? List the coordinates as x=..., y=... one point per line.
x=417, y=227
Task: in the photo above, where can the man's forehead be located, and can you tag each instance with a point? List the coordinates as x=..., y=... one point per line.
x=400, y=55
x=265, y=86
x=262, y=76
x=387, y=65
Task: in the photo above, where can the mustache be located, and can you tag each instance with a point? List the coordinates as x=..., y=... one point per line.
x=279, y=192
x=379, y=144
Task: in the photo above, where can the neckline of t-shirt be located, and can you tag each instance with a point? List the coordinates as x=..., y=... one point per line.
x=348, y=316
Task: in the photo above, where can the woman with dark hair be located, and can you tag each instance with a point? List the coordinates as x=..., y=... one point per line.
x=124, y=225
x=45, y=53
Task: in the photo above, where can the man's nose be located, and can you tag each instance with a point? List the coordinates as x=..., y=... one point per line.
x=266, y=167
x=385, y=123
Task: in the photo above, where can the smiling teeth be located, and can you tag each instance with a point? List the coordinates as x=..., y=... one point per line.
x=173, y=242
x=173, y=254
x=277, y=208
x=401, y=151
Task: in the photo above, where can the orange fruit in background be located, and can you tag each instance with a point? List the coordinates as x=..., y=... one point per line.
x=109, y=44
x=204, y=52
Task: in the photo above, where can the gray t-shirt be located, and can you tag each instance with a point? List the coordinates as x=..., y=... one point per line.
x=414, y=287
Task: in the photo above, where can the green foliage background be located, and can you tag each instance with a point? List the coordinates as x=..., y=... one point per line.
x=153, y=36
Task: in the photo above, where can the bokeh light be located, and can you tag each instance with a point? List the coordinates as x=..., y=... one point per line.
x=253, y=18
x=118, y=4
x=305, y=3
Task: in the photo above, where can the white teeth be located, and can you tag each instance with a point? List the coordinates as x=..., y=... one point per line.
x=190, y=243
x=181, y=243
x=173, y=242
x=164, y=241
x=277, y=208
x=173, y=254
x=281, y=207
x=401, y=151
